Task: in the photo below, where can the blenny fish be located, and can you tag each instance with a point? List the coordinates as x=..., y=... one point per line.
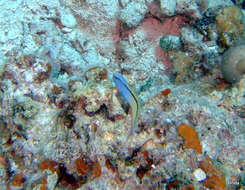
x=128, y=94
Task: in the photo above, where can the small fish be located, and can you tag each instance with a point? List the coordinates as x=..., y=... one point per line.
x=129, y=95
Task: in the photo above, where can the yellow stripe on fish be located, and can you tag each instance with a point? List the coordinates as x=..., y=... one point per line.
x=128, y=95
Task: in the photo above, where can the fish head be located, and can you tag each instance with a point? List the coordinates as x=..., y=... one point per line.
x=119, y=80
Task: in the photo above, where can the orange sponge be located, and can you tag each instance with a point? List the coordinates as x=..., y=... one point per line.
x=190, y=137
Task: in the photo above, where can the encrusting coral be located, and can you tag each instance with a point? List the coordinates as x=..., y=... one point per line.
x=233, y=63
x=230, y=25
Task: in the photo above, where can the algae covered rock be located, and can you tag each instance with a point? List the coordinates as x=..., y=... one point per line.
x=95, y=90
x=26, y=109
x=96, y=74
x=230, y=25
x=170, y=42
x=4, y=131
x=183, y=66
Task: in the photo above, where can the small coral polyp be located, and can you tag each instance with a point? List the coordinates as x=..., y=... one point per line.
x=233, y=63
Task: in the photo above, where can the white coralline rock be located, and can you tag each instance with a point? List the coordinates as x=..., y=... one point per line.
x=189, y=8
x=133, y=13
x=211, y=4
x=191, y=36
x=168, y=7
x=50, y=4
x=199, y=174
x=30, y=45
x=67, y=18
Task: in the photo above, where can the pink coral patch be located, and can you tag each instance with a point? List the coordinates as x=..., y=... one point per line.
x=116, y=32
x=162, y=57
x=155, y=29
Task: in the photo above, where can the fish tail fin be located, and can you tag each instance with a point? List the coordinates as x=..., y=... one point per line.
x=133, y=128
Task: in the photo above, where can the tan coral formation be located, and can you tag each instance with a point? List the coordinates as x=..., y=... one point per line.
x=233, y=63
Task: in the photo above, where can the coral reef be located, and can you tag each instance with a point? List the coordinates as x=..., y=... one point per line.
x=62, y=125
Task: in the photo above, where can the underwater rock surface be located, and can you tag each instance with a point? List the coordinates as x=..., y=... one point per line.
x=62, y=123
x=233, y=64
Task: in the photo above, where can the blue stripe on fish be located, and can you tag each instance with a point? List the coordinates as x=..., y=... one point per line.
x=130, y=97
